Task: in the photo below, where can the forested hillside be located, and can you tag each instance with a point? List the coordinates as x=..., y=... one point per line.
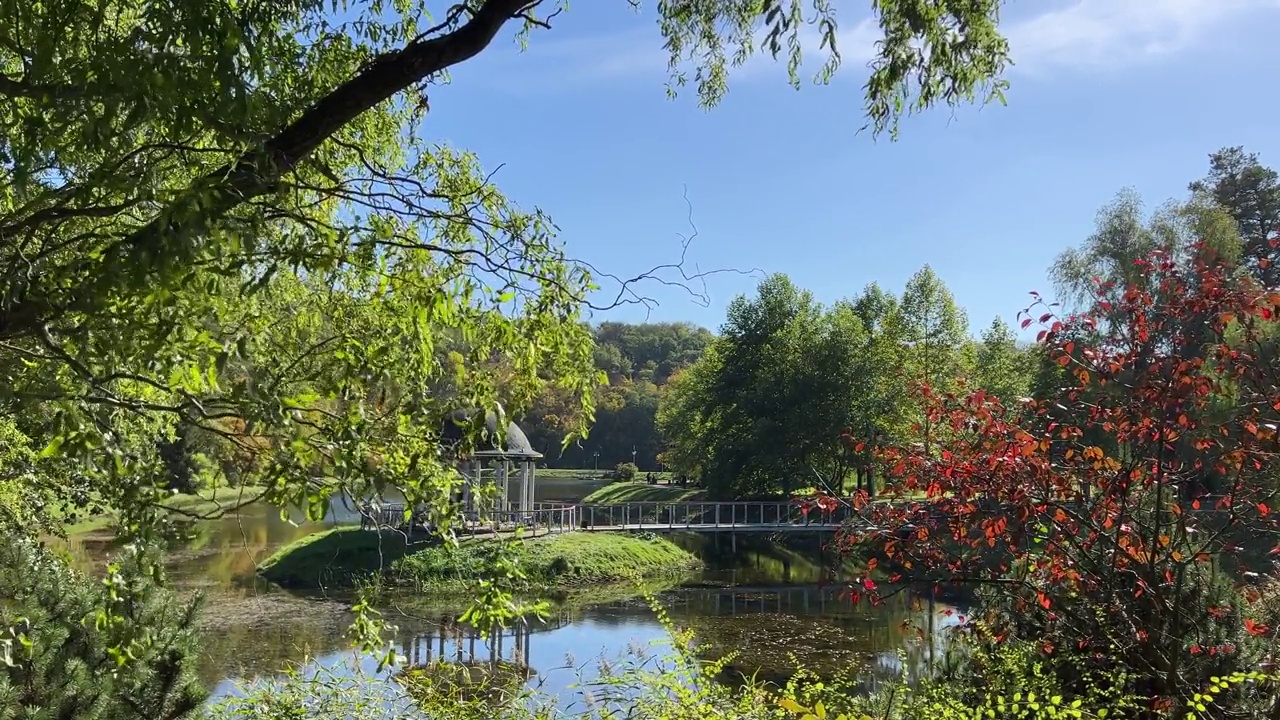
x=636, y=362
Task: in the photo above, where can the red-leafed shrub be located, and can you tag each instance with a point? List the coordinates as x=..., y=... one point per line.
x=1122, y=521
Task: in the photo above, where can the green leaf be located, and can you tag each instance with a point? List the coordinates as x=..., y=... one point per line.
x=53, y=447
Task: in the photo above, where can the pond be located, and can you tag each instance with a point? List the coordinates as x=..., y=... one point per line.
x=771, y=602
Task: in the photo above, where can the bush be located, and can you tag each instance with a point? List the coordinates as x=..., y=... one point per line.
x=625, y=472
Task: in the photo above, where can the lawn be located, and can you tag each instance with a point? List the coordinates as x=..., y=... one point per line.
x=552, y=563
x=643, y=492
x=204, y=503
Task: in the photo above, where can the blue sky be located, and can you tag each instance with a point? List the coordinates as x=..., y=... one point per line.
x=1106, y=94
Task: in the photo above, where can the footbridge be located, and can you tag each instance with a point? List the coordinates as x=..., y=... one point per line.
x=648, y=516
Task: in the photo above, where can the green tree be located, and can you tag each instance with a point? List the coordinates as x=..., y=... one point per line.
x=229, y=216
x=636, y=361
x=764, y=410
x=936, y=330
x=1001, y=367
x=1250, y=192
x=884, y=397
x=685, y=418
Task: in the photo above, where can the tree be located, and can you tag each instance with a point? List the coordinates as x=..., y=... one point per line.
x=636, y=360
x=686, y=420
x=1112, y=556
x=884, y=397
x=1250, y=192
x=936, y=331
x=765, y=408
x=1125, y=236
x=1002, y=369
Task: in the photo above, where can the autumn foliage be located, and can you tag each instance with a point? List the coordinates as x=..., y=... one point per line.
x=1125, y=521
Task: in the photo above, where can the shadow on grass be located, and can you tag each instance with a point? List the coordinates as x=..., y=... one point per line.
x=339, y=557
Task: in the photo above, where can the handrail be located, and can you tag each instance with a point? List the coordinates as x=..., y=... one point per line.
x=640, y=514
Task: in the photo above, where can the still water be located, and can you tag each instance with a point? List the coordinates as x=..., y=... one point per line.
x=772, y=604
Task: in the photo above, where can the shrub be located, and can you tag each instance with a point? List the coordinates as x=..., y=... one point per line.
x=625, y=472
x=1106, y=521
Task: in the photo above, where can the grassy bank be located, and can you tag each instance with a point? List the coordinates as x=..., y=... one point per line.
x=589, y=474
x=643, y=492
x=189, y=505
x=338, y=557
x=553, y=563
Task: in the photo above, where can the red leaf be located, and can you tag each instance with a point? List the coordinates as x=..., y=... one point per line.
x=1026, y=323
x=1254, y=628
x=1263, y=510
x=1043, y=599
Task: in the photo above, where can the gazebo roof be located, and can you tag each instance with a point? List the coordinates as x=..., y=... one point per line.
x=511, y=444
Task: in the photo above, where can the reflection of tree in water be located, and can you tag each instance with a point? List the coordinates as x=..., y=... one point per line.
x=757, y=559
x=776, y=630
x=254, y=631
x=254, y=636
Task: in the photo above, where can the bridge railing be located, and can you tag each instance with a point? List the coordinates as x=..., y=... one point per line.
x=541, y=517
x=709, y=514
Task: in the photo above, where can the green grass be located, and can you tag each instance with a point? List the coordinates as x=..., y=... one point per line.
x=588, y=473
x=571, y=473
x=642, y=492
x=553, y=563
x=184, y=505
x=337, y=557
x=208, y=502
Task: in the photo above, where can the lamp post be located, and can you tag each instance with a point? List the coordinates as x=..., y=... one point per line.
x=633, y=454
x=595, y=456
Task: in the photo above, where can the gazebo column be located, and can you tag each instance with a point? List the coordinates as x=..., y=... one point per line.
x=532, y=468
x=465, y=470
x=504, y=473
x=473, y=484
x=525, y=505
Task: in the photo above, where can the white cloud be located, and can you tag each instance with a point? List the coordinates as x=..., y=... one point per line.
x=1102, y=34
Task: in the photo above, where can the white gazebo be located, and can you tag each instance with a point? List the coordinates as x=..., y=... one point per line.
x=504, y=464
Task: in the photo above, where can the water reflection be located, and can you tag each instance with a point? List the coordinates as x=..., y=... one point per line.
x=775, y=602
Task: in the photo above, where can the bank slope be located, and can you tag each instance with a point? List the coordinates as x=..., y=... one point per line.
x=625, y=492
x=551, y=563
